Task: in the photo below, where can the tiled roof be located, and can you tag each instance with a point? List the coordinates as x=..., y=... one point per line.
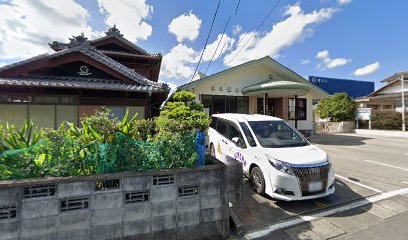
x=125, y=41
x=155, y=55
x=91, y=52
x=80, y=83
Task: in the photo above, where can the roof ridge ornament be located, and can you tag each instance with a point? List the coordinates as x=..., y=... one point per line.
x=113, y=31
x=73, y=42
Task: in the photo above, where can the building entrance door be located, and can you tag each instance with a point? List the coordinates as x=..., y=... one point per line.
x=268, y=105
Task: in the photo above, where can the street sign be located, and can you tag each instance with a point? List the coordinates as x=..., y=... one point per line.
x=363, y=114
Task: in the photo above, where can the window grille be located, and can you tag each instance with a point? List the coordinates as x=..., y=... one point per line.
x=74, y=204
x=107, y=184
x=140, y=196
x=163, y=179
x=39, y=191
x=8, y=211
x=188, y=191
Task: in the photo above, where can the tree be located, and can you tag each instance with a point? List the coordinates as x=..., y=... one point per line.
x=183, y=115
x=338, y=107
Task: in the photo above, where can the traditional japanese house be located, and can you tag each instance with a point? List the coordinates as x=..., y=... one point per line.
x=80, y=77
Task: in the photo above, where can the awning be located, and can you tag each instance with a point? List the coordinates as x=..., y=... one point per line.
x=277, y=88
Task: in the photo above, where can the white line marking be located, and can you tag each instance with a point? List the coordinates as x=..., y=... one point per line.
x=387, y=165
x=359, y=184
x=308, y=218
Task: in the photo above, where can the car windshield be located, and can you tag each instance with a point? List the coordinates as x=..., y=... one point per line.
x=276, y=134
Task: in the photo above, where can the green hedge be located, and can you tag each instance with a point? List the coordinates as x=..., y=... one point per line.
x=386, y=120
x=103, y=144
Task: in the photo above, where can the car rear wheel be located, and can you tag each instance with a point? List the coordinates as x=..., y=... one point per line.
x=258, y=180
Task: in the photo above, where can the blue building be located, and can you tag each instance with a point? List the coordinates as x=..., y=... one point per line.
x=353, y=88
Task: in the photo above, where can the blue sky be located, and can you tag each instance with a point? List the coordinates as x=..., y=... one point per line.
x=332, y=38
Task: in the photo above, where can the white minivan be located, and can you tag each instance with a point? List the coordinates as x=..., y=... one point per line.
x=275, y=156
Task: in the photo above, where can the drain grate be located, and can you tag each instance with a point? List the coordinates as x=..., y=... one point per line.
x=39, y=191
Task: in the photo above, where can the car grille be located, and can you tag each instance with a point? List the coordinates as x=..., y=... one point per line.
x=307, y=175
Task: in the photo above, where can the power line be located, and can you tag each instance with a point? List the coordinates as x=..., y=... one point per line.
x=254, y=32
x=219, y=42
x=206, y=42
x=222, y=36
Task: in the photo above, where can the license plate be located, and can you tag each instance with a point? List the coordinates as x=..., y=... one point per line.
x=315, y=186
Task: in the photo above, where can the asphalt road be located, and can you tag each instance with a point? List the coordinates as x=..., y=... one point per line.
x=371, y=174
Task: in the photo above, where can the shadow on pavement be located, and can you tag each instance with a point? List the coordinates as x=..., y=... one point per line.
x=338, y=139
x=256, y=211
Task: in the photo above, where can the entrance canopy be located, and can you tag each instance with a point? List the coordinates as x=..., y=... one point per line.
x=277, y=88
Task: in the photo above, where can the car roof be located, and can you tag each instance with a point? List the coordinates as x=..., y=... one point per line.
x=245, y=117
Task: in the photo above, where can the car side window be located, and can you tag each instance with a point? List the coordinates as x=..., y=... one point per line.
x=234, y=134
x=222, y=127
x=248, y=134
x=213, y=123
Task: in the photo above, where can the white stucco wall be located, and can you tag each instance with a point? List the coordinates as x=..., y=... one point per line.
x=251, y=75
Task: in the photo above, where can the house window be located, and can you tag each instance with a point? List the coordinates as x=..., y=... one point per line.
x=301, y=109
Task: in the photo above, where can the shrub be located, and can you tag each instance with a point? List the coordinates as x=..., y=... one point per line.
x=386, y=120
x=183, y=115
x=339, y=107
x=103, y=144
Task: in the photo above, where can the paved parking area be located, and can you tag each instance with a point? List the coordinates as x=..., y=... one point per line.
x=372, y=172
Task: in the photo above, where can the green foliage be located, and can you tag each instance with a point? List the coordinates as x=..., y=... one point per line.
x=21, y=151
x=25, y=137
x=144, y=129
x=184, y=97
x=386, y=120
x=339, y=107
x=183, y=115
x=103, y=144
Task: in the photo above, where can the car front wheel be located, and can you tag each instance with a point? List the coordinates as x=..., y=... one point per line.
x=258, y=180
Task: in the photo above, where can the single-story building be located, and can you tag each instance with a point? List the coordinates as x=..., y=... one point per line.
x=388, y=97
x=261, y=86
x=354, y=88
x=80, y=77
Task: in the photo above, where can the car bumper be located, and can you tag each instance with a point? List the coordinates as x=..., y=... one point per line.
x=292, y=187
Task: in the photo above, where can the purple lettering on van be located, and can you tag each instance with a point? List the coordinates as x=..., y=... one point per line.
x=238, y=156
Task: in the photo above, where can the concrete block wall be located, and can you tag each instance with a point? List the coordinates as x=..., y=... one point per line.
x=172, y=204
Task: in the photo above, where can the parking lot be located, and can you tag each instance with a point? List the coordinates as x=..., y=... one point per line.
x=367, y=168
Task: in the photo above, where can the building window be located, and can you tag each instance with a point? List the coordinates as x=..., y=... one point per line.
x=225, y=104
x=301, y=109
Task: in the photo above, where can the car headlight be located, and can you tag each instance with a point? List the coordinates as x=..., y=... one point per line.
x=328, y=159
x=279, y=165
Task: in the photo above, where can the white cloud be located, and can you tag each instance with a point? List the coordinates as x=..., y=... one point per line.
x=210, y=49
x=178, y=63
x=295, y=27
x=305, y=61
x=27, y=26
x=328, y=62
x=322, y=54
x=236, y=29
x=130, y=17
x=341, y=2
x=368, y=69
x=185, y=27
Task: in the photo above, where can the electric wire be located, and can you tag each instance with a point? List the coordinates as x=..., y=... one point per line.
x=206, y=42
x=253, y=33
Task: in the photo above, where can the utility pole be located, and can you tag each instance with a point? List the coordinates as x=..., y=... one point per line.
x=403, y=101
